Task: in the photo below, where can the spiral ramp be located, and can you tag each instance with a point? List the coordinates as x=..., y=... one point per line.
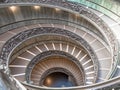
x=21, y=61
x=80, y=49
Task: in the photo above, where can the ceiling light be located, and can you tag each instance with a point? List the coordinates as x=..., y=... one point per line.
x=37, y=7
x=13, y=8
x=57, y=9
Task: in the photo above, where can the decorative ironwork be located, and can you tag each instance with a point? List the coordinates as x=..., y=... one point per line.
x=48, y=54
x=12, y=43
x=77, y=8
x=72, y=6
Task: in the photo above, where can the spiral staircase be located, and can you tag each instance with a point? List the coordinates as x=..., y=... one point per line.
x=39, y=38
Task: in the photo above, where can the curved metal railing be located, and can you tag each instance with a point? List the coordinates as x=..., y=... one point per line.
x=7, y=82
x=107, y=8
x=94, y=86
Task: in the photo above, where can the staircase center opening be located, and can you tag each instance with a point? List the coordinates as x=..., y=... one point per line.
x=58, y=79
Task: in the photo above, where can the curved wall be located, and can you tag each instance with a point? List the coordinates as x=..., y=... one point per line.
x=70, y=16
